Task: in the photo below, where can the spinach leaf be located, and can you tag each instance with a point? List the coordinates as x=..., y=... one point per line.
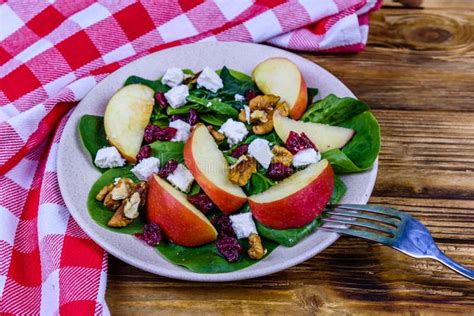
x=235, y=83
x=167, y=150
x=213, y=118
x=195, y=188
x=214, y=105
x=333, y=110
x=339, y=190
x=206, y=258
x=312, y=92
x=290, y=237
x=92, y=132
x=159, y=117
x=258, y=183
x=361, y=152
x=100, y=214
x=156, y=85
x=185, y=109
x=271, y=137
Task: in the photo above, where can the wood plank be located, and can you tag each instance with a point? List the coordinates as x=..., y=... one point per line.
x=460, y=5
x=416, y=59
x=426, y=154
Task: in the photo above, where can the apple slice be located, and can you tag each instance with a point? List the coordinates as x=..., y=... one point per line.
x=210, y=169
x=297, y=200
x=126, y=116
x=180, y=221
x=280, y=76
x=325, y=137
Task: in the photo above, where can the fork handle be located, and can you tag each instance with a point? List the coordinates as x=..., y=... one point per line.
x=450, y=263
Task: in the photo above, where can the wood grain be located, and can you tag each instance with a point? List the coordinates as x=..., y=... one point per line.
x=418, y=75
x=416, y=60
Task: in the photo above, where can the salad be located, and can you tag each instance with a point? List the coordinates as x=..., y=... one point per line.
x=216, y=168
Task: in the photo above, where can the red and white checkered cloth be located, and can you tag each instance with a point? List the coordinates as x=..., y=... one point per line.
x=51, y=55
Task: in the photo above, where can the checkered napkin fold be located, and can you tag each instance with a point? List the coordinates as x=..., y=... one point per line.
x=51, y=55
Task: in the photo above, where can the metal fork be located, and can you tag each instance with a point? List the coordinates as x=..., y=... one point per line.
x=389, y=227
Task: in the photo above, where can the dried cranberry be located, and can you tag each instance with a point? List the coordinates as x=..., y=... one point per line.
x=296, y=142
x=150, y=132
x=224, y=226
x=161, y=99
x=193, y=117
x=230, y=248
x=278, y=171
x=202, y=202
x=151, y=234
x=168, y=168
x=166, y=133
x=240, y=150
x=145, y=152
x=250, y=94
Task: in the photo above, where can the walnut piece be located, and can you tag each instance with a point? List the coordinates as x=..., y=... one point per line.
x=122, y=189
x=282, y=155
x=256, y=250
x=263, y=128
x=283, y=108
x=119, y=219
x=259, y=116
x=103, y=192
x=263, y=102
x=218, y=137
x=129, y=207
x=241, y=171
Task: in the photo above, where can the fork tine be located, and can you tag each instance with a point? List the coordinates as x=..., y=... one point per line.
x=359, y=233
x=361, y=224
x=376, y=218
x=370, y=208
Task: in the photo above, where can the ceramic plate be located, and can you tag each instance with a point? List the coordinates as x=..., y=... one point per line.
x=77, y=174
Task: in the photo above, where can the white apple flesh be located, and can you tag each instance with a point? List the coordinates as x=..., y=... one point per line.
x=325, y=137
x=126, y=116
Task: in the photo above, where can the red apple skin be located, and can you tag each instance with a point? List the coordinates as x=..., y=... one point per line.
x=225, y=201
x=298, y=209
x=298, y=109
x=178, y=223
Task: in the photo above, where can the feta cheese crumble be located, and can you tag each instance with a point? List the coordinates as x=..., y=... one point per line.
x=247, y=113
x=183, y=130
x=238, y=97
x=173, y=77
x=210, y=80
x=146, y=168
x=176, y=97
x=260, y=150
x=181, y=178
x=234, y=131
x=108, y=157
x=305, y=157
x=243, y=225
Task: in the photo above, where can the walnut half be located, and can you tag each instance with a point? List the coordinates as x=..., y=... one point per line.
x=256, y=250
x=241, y=171
x=282, y=155
x=129, y=207
x=261, y=112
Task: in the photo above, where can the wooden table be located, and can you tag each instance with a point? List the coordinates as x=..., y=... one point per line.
x=418, y=75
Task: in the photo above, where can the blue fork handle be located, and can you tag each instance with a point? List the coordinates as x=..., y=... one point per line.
x=450, y=263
